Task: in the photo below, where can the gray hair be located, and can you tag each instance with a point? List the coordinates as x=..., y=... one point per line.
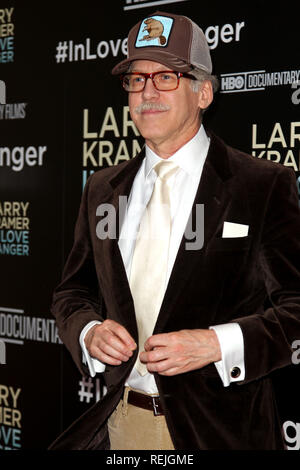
x=201, y=76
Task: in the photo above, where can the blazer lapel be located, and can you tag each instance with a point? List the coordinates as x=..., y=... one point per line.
x=214, y=193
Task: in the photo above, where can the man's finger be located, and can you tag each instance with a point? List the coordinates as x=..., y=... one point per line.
x=156, y=341
x=108, y=359
x=120, y=332
x=160, y=367
x=155, y=355
x=108, y=339
x=115, y=352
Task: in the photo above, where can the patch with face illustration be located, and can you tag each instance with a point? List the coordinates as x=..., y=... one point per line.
x=154, y=31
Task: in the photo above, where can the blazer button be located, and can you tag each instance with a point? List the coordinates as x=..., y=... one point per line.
x=235, y=372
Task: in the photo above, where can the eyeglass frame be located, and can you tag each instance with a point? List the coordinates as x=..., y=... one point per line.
x=152, y=74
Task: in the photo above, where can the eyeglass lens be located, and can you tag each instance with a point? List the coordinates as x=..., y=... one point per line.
x=162, y=81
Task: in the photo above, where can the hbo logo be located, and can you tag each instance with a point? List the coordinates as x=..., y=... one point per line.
x=292, y=434
x=232, y=82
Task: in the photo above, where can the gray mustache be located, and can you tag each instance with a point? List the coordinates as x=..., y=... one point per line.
x=151, y=107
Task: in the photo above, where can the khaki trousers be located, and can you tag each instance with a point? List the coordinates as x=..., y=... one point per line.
x=133, y=428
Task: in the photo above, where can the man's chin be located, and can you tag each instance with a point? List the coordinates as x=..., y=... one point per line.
x=152, y=136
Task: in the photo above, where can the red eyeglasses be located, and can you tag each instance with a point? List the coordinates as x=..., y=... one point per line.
x=165, y=80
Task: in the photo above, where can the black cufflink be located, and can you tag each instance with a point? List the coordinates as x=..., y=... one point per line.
x=235, y=372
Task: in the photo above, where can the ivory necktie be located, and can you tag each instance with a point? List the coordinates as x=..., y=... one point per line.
x=150, y=258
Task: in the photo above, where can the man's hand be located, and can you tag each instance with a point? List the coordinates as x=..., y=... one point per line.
x=110, y=342
x=181, y=351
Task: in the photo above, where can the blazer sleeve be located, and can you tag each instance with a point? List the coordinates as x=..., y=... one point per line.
x=269, y=334
x=77, y=299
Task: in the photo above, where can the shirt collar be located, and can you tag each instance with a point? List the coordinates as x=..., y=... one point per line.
x=190, y=157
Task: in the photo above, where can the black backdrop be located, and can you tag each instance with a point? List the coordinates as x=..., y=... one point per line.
x=63, y=116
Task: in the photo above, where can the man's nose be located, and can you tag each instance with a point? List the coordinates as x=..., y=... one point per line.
x=150, y=91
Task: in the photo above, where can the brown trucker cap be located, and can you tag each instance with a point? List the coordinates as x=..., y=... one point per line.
x=172, y=40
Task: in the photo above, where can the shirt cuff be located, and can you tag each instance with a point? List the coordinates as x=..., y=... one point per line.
x=94, y=365
x=231, y=367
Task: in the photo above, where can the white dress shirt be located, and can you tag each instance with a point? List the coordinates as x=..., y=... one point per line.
x=184, y=184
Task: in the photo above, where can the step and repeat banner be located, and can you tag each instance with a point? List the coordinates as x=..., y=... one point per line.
x=64, y=116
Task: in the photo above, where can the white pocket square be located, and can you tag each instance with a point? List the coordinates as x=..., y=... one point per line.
x=232, y=230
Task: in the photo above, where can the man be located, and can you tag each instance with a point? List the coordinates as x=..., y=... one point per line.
x=171, y=305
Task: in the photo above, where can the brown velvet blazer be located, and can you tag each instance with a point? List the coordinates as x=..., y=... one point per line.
x=229, y=279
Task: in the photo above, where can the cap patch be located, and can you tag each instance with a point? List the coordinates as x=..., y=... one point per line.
x=154, y=31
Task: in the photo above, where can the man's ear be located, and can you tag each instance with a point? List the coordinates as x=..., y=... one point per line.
x=205, y=94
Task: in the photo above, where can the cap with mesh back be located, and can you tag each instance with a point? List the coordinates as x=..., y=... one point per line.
x=172, y=40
